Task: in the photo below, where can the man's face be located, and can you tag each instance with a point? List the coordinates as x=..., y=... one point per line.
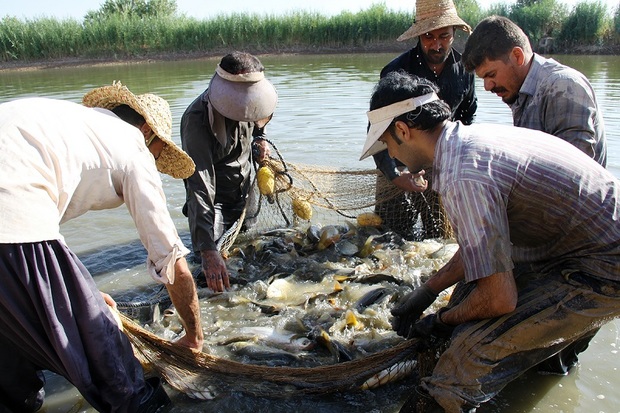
x=393, y=138
x=502, y=78
x=436, y=45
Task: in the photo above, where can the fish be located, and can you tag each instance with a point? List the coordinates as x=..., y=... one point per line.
x=371, y=297
x=338, y=351
x=271, y=337
x=393, y=373
x=265, y=354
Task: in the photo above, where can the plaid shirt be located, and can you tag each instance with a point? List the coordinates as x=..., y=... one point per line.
x=517, y=195
x=560, y=101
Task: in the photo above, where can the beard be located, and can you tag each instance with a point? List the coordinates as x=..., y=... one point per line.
x=508, y=99
x=436, y=57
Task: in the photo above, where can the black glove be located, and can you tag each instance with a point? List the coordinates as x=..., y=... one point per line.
x=431, y=326
x=410, y=308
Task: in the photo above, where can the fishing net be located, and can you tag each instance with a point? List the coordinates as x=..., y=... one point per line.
x=335, y=195
x=203, y=376
x=302, y=195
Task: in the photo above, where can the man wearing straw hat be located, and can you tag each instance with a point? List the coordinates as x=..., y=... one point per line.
x=219, y=130
x=435, y=59
x=60, y=160
x=538, y=265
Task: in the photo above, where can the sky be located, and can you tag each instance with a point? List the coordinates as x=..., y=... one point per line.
x=32, y=9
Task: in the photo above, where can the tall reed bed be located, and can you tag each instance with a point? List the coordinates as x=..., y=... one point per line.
x=122, y=36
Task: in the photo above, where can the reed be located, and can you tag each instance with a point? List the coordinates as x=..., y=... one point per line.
x=130, y=35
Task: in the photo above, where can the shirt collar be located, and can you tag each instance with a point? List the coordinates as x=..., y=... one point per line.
x=529, y=84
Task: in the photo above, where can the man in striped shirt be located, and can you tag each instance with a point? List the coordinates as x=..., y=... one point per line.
x=538, y=266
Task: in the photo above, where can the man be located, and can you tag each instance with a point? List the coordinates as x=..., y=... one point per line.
x=538, y=266
x=542, y=93
x=219, y=130
x=60, y=160
x=435, y=59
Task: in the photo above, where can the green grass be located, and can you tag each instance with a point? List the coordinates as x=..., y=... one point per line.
x=125, y=36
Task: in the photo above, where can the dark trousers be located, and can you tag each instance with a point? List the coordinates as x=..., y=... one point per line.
x=53, y=317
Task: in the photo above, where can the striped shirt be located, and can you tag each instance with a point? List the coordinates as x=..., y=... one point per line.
x=559, y=100
x=516, y=195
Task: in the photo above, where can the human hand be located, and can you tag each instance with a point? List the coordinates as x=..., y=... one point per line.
x=409, y=182
x=431, y=326
x=189, y=342
x=108, y=299
x=113, y=308
x=410, y=308
x=261, y=149
x=215, y=271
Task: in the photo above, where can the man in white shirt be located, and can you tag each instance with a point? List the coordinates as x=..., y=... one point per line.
x=60, y=160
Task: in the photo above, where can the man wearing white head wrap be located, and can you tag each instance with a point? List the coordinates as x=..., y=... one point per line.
x=536, y=273
x=218, y=130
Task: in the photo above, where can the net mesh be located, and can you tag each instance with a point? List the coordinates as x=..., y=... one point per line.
x=333, y=196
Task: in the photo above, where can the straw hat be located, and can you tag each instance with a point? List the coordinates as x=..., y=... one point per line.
x=432, y=15
x=156, y=112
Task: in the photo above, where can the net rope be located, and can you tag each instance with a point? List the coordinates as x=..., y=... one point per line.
x=203, y=376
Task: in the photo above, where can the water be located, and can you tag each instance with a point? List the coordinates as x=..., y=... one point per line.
x=320, y=120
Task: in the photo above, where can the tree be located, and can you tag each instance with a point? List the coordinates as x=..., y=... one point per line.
x=584, y=24
x=133, y=8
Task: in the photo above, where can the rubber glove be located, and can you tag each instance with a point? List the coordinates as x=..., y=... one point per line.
x=410, y=309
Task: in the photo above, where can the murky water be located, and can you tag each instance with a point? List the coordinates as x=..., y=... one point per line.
x=320, y=120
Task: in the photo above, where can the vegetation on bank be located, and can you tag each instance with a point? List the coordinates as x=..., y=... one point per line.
x=142, y=28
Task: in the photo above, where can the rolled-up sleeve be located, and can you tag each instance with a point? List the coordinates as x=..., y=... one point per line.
x=142, y=192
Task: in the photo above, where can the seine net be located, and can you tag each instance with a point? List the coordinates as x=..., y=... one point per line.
x=327, y=196
x=313, y=194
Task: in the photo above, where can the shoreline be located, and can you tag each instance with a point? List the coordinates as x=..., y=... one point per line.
x=381, y=47
x=173, y=56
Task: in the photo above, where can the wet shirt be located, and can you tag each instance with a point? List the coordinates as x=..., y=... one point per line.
x=61, y=159
x=456, y=88
x=222, y=176
x=516, y=195
x=560, y=100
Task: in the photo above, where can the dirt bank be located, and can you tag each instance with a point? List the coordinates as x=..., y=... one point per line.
x=387, y=47
x=384, y=47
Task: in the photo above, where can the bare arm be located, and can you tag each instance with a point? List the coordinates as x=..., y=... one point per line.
x=185, y=300
x=448, y=275
x=493, y=296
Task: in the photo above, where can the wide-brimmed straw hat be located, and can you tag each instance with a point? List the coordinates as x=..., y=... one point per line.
x=432, y=15
x=246, y=97
x=155, y=110
x=381, y=118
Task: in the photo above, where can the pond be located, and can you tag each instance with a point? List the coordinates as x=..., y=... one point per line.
x=321, y=120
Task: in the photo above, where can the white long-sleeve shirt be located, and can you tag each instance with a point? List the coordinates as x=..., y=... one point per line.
x=59, y=159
